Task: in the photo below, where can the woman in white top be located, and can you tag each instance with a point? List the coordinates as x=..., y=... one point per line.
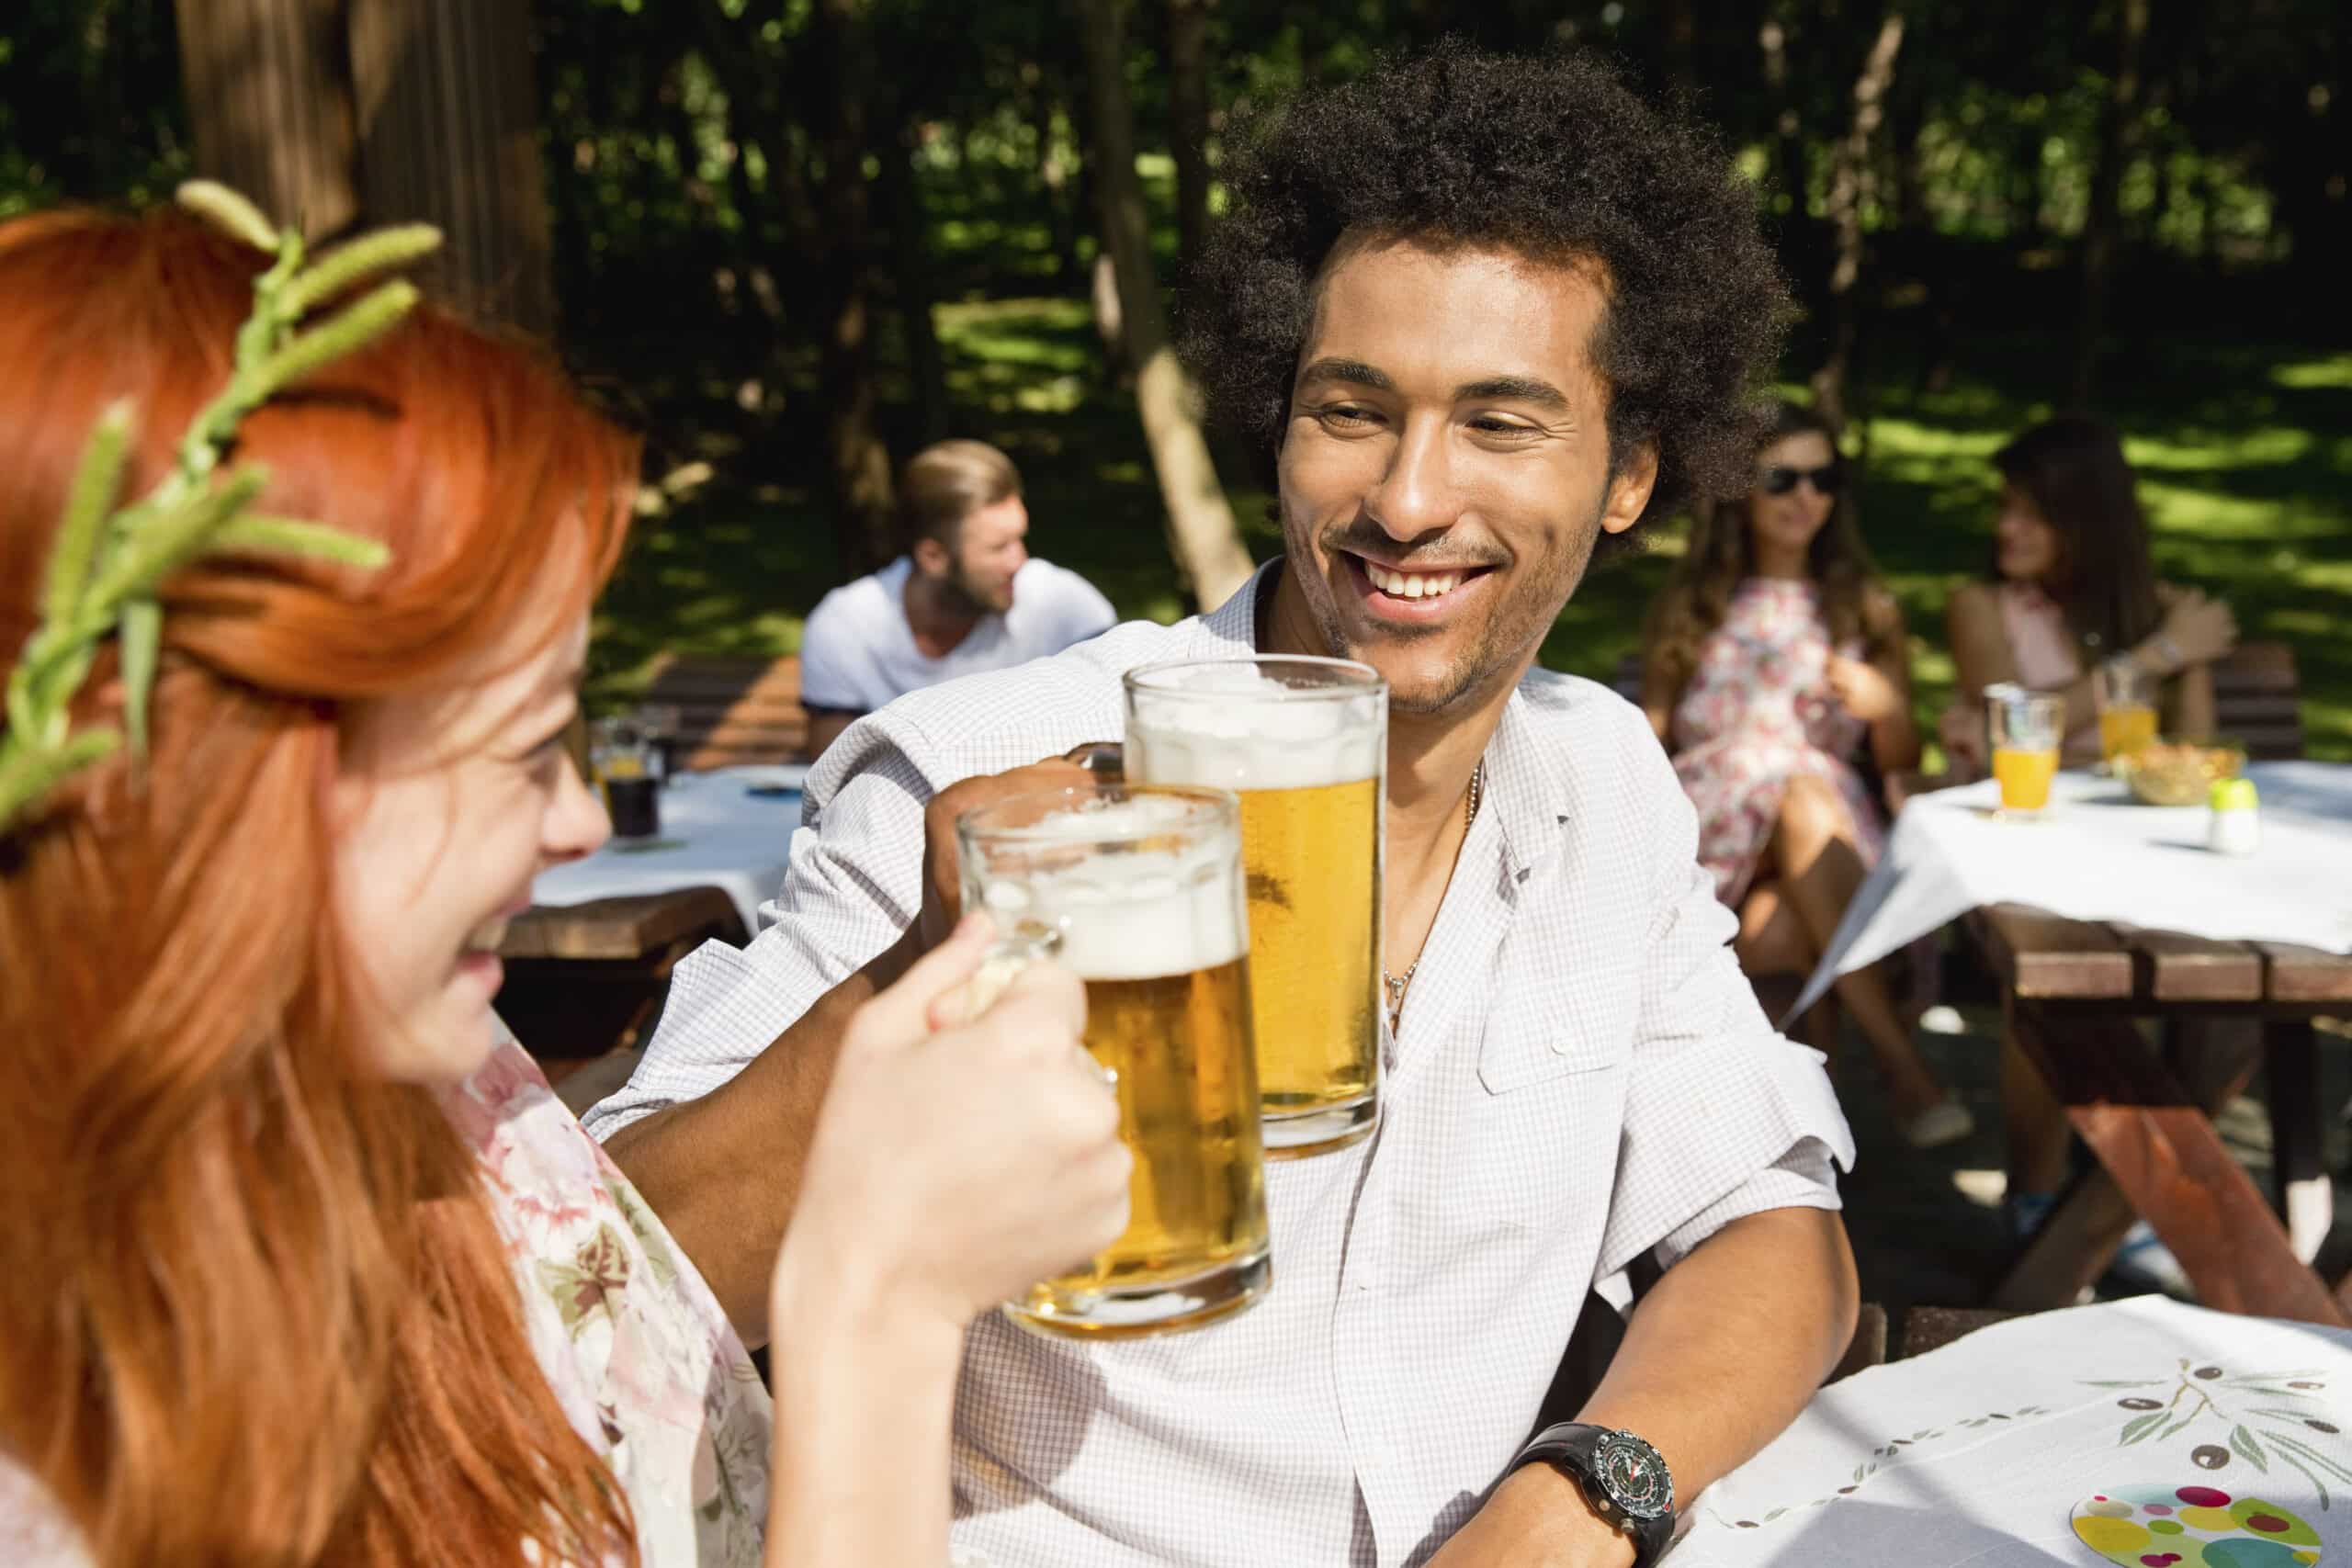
x=302, y=1262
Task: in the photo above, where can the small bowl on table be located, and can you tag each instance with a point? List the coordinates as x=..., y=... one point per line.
x=2177, y=773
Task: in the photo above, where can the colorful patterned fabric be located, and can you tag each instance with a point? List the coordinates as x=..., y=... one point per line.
x=634, y=1346
x=1757, y=712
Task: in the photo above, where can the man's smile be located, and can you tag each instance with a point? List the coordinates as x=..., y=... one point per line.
x=1421, y=595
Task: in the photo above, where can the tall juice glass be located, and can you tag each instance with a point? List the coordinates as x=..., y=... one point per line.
x=1305, y=744
x=2026, y=727
x=2127, y=709
x=1138, y=892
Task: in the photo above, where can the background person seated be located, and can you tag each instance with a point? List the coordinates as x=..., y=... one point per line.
x=2073, y=585
x=967, y=596
x=1775, y=660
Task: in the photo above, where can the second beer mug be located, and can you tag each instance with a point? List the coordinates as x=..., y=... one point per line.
x=1138, y=892
x=1305, y=743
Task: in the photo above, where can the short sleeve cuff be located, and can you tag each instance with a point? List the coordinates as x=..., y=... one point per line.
x=1804, y=1177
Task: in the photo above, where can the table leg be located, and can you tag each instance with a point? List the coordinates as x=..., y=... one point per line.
x=2306, y=1194
x=2154, y=1138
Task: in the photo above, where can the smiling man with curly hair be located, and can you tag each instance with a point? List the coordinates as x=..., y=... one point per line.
x=1477, y=315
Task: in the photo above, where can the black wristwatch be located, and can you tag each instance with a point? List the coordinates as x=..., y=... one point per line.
x=1623, y=1478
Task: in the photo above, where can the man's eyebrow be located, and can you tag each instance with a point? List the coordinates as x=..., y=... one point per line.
x=1515, y=389
x=1354, y=370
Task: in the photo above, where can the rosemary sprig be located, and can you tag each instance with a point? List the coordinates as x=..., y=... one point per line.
x=108, y=560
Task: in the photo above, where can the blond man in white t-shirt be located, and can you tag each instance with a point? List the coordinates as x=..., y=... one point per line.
x=967, y=596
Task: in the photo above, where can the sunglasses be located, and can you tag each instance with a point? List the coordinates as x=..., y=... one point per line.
x=1825, y=480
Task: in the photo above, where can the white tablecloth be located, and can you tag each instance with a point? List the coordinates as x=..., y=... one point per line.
x=1987, y=1451
x=715, y=832
x=2098, y=855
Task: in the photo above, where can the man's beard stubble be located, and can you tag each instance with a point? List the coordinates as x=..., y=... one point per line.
x=1495, y=651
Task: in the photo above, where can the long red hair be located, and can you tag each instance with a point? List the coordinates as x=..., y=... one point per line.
x=253, y=1307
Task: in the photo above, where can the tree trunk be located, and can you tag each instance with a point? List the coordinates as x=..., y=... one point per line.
x=449, y=135
x=2117, y=138
x=910, y=281
x=1849, y=188
x=269, y=100
x=1201, y=533
x=1188, y=114
x=858, y=463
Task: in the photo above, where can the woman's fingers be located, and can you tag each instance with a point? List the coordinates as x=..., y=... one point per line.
x=900, y=1016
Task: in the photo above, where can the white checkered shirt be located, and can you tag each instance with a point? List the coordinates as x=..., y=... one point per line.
x=1582, y=1075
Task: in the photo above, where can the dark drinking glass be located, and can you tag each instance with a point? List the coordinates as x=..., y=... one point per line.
x=636, y=806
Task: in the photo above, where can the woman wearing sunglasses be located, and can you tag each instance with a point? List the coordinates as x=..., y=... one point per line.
x=1777, y=675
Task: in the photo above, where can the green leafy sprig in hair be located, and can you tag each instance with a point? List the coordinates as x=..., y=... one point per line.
x=109, y=559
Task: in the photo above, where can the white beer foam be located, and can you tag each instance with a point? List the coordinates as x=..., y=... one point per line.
x=1134, y=916
x=1252, y=747
x=1229, y=725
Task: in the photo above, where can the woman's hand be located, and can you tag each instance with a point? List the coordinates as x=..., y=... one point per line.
x=2200, y=629
x=1862, y=689
x=953, y=1168
x=1961, y=730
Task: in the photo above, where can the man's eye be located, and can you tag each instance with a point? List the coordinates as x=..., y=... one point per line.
x=1346, y=414
x=1493, y=426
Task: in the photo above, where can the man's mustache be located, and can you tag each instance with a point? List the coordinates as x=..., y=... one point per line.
x=1372, y=544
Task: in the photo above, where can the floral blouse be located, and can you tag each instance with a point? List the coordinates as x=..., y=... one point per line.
x=628, y=1335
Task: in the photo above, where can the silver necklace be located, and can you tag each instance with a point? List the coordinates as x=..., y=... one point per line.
x=1396, y=984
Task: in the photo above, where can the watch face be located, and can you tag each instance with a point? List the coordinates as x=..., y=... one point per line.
x=1634, y=1475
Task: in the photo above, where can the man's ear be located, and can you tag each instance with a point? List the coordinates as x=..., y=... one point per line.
x=1628, y=490
x=931, y=559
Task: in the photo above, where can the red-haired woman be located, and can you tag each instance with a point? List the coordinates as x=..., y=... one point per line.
x=302, y=1262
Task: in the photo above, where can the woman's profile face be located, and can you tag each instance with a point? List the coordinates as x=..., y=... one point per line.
x=2026, y=548
x=1794, y=491
x=447, y=805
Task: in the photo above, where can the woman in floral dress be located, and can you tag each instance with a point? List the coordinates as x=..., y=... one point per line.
x=302, y=1262
x=1775, y=662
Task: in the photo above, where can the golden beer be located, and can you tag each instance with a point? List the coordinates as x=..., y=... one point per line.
x=1140, y=893
x=1180, y=1044
x=1304, y=742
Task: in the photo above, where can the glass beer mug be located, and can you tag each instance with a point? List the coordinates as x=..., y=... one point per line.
x=1305, y=743
x=1138, y=892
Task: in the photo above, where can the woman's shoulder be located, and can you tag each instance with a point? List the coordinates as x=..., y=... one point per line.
x=1974, y=603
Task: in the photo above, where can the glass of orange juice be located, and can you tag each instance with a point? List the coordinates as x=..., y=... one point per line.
x=2127, y=709
x=2026, y=727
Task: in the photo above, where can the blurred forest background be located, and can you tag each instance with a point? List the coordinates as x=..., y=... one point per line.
x=793, y=240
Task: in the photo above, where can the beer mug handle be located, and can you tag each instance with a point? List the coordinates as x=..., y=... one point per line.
x=1005, y=958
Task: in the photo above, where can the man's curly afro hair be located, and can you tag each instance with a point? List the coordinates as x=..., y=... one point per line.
x=1551, y=157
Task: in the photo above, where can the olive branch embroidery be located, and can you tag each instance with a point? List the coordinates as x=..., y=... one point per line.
x=1887, y=1455
x=2257, y=1442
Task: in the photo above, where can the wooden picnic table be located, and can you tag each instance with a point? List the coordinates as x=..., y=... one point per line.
x=2072, y=990
x=586, y=979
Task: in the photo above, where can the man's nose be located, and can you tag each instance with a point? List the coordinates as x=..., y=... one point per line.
x=1416, y=496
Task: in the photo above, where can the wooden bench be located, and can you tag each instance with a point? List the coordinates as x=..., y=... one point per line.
x=2070, y=990
x=732, y=711
x=583, y=980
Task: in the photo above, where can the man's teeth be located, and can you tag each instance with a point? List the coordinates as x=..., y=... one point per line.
x=1411, y=585
x=489, y=936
